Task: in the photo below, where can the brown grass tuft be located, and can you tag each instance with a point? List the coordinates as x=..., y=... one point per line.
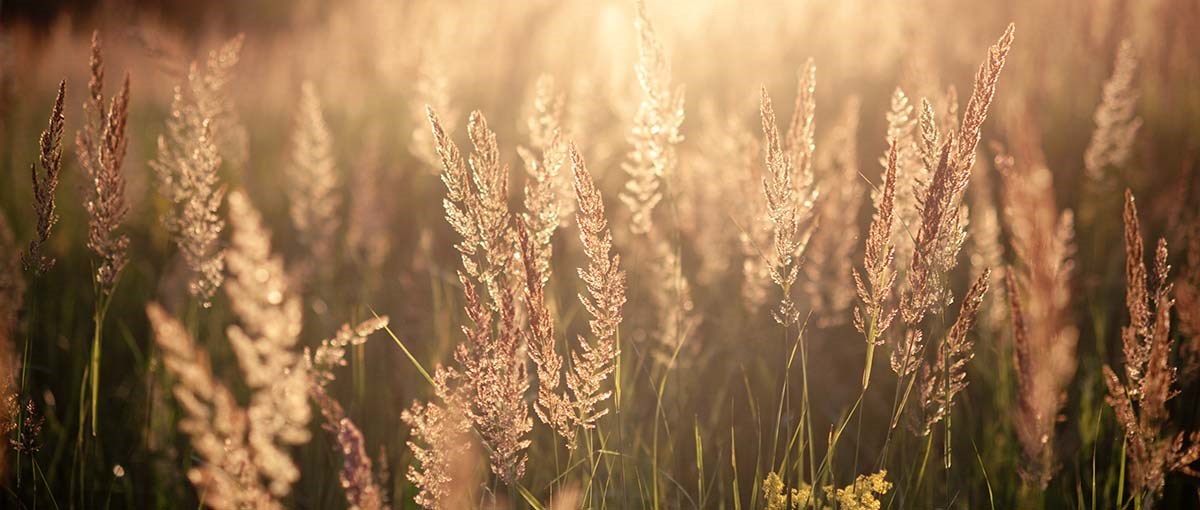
x=314, y=194
x=476, y=202
x=491, y=378
x=1039, y=293
x=444, y=471
x=605, y=282
x=265, y=344
x=187, y=163
x=1140, y=401
x=551, y=406
x=980, y=101
x=947, y=376
x=786, y=211
x=44, y=185
x=229, y=477
x=101, y=145
x=875, y=316
x=926, y=288
x=357, y=476
x=1116, y=118
x=655, y=128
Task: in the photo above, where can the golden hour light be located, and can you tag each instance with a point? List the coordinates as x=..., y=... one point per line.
x=611, y=254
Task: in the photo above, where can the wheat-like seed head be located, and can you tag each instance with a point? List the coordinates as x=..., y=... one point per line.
x=357, y=476
x=1116, y=118
x=651, y=162
x=912, y=175
x=878, y=259
x=655, y=128
x=1135, y=336
x=548, y=131
x=187, y=163
x=212, y=418
x=208, y=87
x=495, y=379
x=981, y=99
x=1140, y=402
x=544, y=164
x=101, y=145
x=314, y=195
x=331, y=353
x=491, y=378
x=943, y=217
x=801, y=134
x=552, y=406
x=925, y=289
x=476, y=202
x=605, y=282
x=930, y=136
x=44, y=185
x=782, y=209
x=1039, y=294
x=265, y=345
x=947, y=376
x=443, y=471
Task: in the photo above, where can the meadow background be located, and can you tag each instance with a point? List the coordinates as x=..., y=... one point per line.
x=315, y=114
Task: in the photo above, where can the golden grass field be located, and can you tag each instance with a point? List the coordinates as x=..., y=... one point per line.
x=617, y=254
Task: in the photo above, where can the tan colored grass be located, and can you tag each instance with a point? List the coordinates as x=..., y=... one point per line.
x=552, y=406
x=265, y=342
x=876, y=314
x=1039, y=293
x=444, y=456
x=1116, y=118
x=217, y=425
x=655, y=128
x=187, y=164
x=101, y=146
x=545, y=163
x=912, y=174
x=788, y=205
x=357, y=474
x=314, y=193
x=1140, y=400
x=476, y=202
x=605, y=281
x=942, y=231
x=490, y=378
x=947, y=376
x=44, y=185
